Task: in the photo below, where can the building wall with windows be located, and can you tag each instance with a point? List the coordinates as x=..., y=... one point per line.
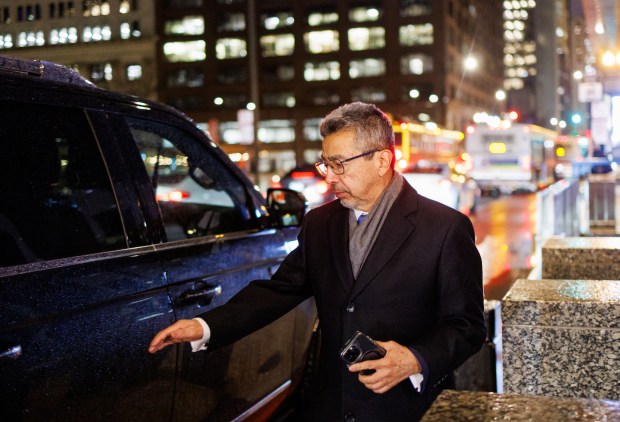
x=110, y=42
x=404, y=55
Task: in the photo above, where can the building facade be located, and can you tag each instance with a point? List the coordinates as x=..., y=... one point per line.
x=268, y=70
x=110, y=42
x=294, y=62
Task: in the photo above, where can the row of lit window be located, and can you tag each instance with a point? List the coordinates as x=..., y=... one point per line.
x=519, y=4
x=284, y=44
x=412, y=64
x=407, y=8
x=62, y=9
x=100, y=72
x=69, y=35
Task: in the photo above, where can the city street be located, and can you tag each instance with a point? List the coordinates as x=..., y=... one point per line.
x=504, y=236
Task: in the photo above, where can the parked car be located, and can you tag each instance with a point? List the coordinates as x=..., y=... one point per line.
x=98, y=253
x=440, y=182
x=307, y=180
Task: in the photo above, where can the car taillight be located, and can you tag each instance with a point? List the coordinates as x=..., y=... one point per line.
x=303, y=175
x=321, y=187
x=175, y=195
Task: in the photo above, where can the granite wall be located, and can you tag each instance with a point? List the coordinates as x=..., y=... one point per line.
x=591, y=258
x=562, y=338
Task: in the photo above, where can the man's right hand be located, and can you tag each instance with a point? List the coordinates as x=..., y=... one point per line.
x=184, y=330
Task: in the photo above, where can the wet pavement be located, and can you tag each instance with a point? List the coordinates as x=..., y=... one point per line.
x=504, y=235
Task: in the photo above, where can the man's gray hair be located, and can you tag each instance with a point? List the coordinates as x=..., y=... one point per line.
x=372, y=128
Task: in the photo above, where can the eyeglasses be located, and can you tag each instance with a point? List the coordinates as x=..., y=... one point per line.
x=337, y=166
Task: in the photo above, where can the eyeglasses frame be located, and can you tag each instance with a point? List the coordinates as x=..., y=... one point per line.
x=318, y=164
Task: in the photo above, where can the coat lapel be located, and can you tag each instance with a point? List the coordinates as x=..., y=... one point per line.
x=398, y=226
x=338, y=227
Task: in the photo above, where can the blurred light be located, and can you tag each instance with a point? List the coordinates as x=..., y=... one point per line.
x=575, y=118
x=251, y=106
x=500, y=95
x=599, y=28
x=578, y=75
x=402, y=164
x=553, y=121
x=513, y=115
x=497, y=148
x=471, y=63
x=560, y=152
x=608, y=58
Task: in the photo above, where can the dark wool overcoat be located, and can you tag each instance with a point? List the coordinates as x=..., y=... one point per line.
x=421, y=286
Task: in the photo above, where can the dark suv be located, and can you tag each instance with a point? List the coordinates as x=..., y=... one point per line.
x=117, y=217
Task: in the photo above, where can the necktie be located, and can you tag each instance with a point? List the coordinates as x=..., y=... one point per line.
x=361, y=218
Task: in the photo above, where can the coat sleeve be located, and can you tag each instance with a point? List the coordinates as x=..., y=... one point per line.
x=460, y=329
x=261, y=301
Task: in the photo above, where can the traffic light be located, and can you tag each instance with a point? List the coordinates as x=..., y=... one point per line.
x=513, y=115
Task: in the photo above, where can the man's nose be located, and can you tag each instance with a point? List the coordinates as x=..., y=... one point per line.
x=330, y=176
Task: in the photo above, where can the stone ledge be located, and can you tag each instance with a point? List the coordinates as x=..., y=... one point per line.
x=591, y=258
x=480, y=406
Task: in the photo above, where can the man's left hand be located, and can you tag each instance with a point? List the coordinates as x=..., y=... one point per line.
x=398, y=364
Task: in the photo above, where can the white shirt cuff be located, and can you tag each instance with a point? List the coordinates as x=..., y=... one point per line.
x=198, y=345
x=416, y=380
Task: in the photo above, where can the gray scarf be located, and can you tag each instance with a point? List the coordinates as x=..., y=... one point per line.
x=362, y=236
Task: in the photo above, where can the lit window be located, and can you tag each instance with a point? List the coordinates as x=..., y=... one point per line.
x=54, y=36
x=366, y=68
x=364, y=14
x=277, y=45
x=276, y=131
x=188, y=25
x=322, y=41
x=124, y=7
x=125, y=31
x=322, y=18
x=416, y=34
x=230, y=48
x=101, y=72
x=277, y=20
x=366, y=38
x=323, y=71
x=134, y=72
x=6, y=41
x=416, y=64
x=311, y=129
x=187, y=51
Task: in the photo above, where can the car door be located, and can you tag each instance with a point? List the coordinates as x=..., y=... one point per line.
x=215, y=244
x=77, y=305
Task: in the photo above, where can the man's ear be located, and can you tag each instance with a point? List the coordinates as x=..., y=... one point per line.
x=385, y=161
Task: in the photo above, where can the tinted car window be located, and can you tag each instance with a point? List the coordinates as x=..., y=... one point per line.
x=195, y=198
x=56, y=199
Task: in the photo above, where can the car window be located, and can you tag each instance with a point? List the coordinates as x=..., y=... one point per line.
x=56, y=199
x=197, y=195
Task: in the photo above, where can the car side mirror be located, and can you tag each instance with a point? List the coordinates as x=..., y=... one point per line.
x=287, y=207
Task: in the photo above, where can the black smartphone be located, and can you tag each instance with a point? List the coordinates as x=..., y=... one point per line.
x=359, y=348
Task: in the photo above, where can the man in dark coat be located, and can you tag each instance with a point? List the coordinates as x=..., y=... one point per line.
x=408, y=275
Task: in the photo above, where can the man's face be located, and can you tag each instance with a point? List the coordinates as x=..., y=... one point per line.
x=360, y=184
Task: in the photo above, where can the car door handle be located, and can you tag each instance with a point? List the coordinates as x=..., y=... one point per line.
x=11, y=353
x=204, y=295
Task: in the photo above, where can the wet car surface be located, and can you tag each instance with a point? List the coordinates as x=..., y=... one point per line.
x=99, y=254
